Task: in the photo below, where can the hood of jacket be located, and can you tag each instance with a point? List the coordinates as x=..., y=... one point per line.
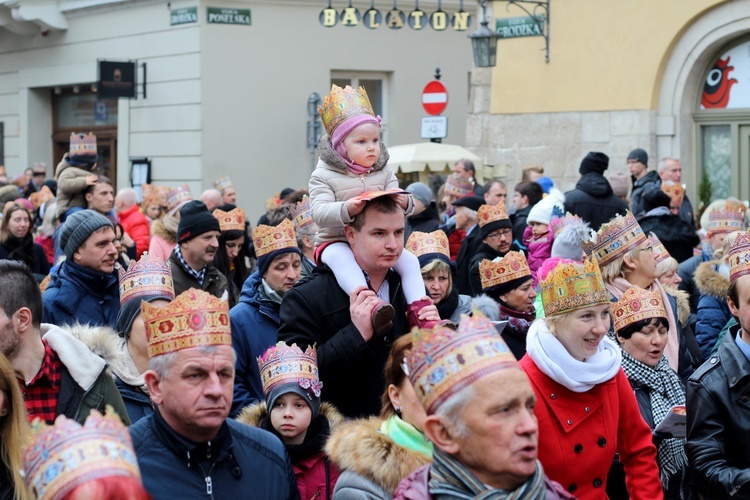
x=334, y=162
x=710, y=281
x=683, y=303
x=359, y=446
x=158, y=229
x=82, y=363
x=652, y=176
x=595, y=185
x=252, y=297
x=63, y=165
x=254, y=415
x=487, y=305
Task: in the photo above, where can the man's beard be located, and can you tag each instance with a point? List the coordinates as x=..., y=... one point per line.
x=10, y=343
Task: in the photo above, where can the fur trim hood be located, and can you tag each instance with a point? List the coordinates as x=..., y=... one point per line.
x=710, y=281
x=158, y=229
x=82, y=362
x=487, y=305
x=332, y=160
x=683, y=303
x=359, y=446
x=253, y=415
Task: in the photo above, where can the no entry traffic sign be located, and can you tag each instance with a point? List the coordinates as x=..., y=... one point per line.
x=434, y=97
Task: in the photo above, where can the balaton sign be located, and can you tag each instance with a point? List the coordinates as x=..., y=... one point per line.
x=395, y=18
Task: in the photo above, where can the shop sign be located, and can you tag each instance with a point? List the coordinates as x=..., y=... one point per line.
x=395, y=19
x=228, y=16
x=185, y=15
x=116, y=79
x=518, y=27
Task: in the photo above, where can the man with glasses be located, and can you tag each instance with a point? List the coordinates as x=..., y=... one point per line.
x=496, y=231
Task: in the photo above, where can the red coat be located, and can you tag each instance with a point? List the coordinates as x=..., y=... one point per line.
x=311, y=477
x=137, y=226
x=579, y=434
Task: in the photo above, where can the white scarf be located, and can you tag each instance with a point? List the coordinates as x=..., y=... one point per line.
x=555, y=361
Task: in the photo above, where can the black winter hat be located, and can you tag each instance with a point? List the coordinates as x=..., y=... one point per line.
x=195, y=219
x=655, y=198
x=594, y=162
x=472, y=202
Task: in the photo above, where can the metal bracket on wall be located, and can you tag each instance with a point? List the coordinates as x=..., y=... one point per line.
x=537, y=8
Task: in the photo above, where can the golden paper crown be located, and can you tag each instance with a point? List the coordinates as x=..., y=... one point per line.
x=154, y=195
x=572, y=285
x=443, y=361
x=302, y=213
x=271, y=238
x=341, y=104
x=675, y=191
x=234, y=220
x=194, y=319
x=420, y=243
x=660, y=253
x=41, y=197
x=557, y=225
x=739, y=256
x=511, y=267
x=637, y=304
x=615, y=238
x=147, y=276
x=283, y=364
x=61, y=457
x=491, y=213
x=83, y=144
x=223, y=183
x=727, y=219
x=458, y=186
x=177, y=198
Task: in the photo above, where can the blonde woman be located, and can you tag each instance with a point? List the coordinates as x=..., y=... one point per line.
x=13, y=434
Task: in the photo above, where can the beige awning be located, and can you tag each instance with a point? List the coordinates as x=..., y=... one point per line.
x=432, y=156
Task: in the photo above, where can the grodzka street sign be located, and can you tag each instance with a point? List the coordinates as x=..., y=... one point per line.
x=395, y=18
x=518, y=27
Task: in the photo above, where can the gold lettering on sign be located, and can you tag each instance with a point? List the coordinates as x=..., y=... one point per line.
x=439, y=20
x=415, y=19
x=394, y=19
x=372, y=19
x=461, y=21
x=350, y=17
x=329, y=17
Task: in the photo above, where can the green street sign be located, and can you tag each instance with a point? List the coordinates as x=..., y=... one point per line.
x=517, y=27
x=185, y=15
x=217, y=15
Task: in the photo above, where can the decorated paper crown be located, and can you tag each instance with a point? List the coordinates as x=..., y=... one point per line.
x=442, y=362
x=194, y=319
x=234, y=220
x=660, y=253
x=177, y=198
x=572, y=285
x=510, y=267
x=675, y=191
x=615, y=238
x=40, y=168
x=739, y=256
x=557, y=225
x=154, y=195
x=147, y=276
x=637, y=304
x=341, y=104
x=61, y=457
x=267, y=239
x=83, y=145
x=41, y=197
x=436, y=242
x=491, y=213
x=458, y=186
x=282, y=364
x=729, y=218
x=223, y=183
x=302, y=213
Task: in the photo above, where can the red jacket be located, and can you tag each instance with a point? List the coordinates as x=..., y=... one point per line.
x=579, y=434
x=136, y=225
x=312, y=480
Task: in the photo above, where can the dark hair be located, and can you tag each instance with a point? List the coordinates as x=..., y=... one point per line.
x=383, y=205
x=277, y=215
x=222, y=262
x=532, y=190
x=394, y=374
x=18, y=289
x=468, y=165
x=488, y=185
x=733, y=294
x=632, y=328
x=102, y=179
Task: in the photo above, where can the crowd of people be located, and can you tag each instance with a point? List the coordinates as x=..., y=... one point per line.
x=365, y=341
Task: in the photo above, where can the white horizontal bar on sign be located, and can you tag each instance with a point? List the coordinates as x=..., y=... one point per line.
x=434, y=97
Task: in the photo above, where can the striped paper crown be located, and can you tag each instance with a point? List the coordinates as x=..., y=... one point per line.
x=420, y=243
x=739, y=256
x=635, y=305
x=223, y=183
x=727, y=219
x=458, y=186
x=283, y=364
x=177, y=198
x=302, y=213
x=491, y=213
x=615, y=238
x=443, y=361
x=83, y=145
x=234, y=220
x=675, y=191
x=660, y=252
x=557, y=225
x=147, y=276
x=572, y=285
x=510, y=267
x=194, y=319
x=61, y=457
x=341, y=104
x=268, y=239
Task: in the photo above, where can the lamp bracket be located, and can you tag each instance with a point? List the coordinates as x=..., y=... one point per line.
x=536, y=7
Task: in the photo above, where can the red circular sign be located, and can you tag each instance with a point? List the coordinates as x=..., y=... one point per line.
x=434, y=97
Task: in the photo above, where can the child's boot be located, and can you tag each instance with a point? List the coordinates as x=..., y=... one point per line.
x=382, y=317
x=412, y=315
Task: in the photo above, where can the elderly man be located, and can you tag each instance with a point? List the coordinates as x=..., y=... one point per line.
x=466, y=220
x=188, y=448
x=212, y=198
x=480, y=417
x=193, y=258
x=351, y=357
x=670, y=170
x=497, y=240
x=465, y=168
x=83, y=288
x=133, y=222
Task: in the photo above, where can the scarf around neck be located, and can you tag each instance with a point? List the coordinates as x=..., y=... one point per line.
x=448, y=305
x=406, y=435
x=554, y=360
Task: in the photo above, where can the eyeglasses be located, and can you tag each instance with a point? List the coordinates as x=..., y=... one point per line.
x=499, y=233
x=650, y=247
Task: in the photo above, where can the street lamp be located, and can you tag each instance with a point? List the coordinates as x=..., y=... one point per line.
x=484, y=42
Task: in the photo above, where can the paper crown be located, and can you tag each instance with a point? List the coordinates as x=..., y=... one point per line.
x=341, y=104
x=572, y=285
x=283, y=364
x=147, y=276
x=177, y=198
x=615, y=238
x=40, y=168
x=443, y=361
x=660, y=253
x=66, y=455
x=194, y=319
x=675, y=191
x=41, y=197
x=234, y=220
x=154, y=195
x=267, y=239
x=510, y=267
x=739, y=256
x=491, y=213
x=420, y=243
x=558, y=224
x=726, y=219
x=637, y=304
x=302, y=213
x=458, y=186
x=223, y=183
x=83, y=145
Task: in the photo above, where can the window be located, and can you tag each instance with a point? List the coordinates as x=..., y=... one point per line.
x=376, y=86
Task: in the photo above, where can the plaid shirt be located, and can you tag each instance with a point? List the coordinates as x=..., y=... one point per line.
x=40, y=395
x=199, y=275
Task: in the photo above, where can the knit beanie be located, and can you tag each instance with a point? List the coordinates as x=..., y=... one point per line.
x=496, y=291
x=568, y=242
x=546, y=183
x=306, y=394
x=548, y=208
x=77, y=229
x=421, y=192
x=594, y=162
x=130, y=310
x=195, y=219
x=640, y=155
x=654, y=199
